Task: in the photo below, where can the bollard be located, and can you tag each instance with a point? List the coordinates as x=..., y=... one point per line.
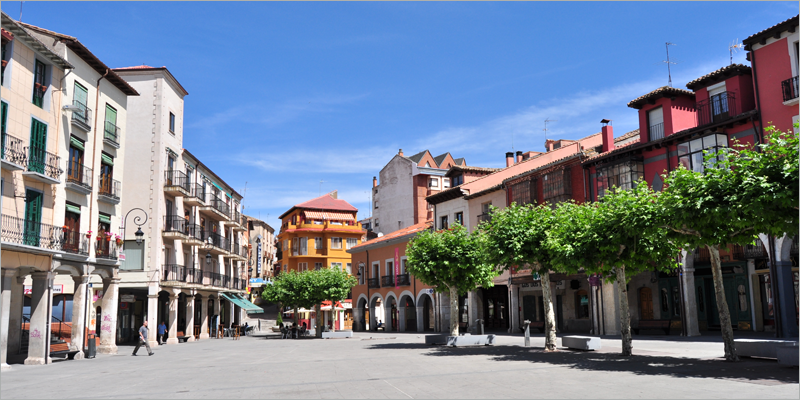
x=527, y=333
x=481, y=321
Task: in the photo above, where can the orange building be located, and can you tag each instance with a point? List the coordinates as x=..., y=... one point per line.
x=316, y=234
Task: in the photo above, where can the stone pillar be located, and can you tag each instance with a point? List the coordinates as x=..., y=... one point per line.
x=609, y=301
x=79, y=300
x=189, y=332
x=387, y=316
x=554, y=302
x=173, y=317
x=218, y=313
x=689, y=295
x=472, y=312
x=15, y=315
x=401, y=316
x=8, y=276
x=203, y=317
x=786, y=299
x=513, y=314
x=108, y=324
x=229, y=314
x=752, y=281
x=38, y=346
x=152, y=319
x=420, y=318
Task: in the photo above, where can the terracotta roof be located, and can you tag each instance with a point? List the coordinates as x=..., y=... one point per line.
x=617, y=149
x=84, y=53
x=719, y=76
x=398, y=234
x=772, y=30
x=470, y=169
x=663, y=91
x=6, y=34
x=325, y=202
x=626, y=136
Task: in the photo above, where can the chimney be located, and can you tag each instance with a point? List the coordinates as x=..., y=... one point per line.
x=374, y=181
x=509, y=159
x=519, y=156
x=548, y=144
x=400, y=153
x=608, y=135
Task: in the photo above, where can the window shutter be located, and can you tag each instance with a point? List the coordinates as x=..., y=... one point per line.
x=106, y=159
x=104, y=218
x=73, y=209
x=76, y=143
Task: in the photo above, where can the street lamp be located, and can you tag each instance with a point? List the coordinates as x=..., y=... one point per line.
x=136, y=220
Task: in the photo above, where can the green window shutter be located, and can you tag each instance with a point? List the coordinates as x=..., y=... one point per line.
x=76, y=143
x=73, y=209
x=38, y=78
x=111, y=114
x=37, y=157
x=33, y=217
x=5, y=116
x=81, y=94
x=106, y=159
x=104, y=218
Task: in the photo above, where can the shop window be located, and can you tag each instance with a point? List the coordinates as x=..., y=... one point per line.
x=582, y=304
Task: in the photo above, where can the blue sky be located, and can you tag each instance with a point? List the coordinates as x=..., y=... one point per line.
x=283, y=95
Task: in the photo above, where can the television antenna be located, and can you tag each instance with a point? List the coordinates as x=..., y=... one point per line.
x=734, y=48
x=668, y=62
x=545, y=126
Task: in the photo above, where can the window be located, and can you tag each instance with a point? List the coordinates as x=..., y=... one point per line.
x=523, y=192
x=336, y=243
x=317, y=266
x=336, y=266
x=690, y=154
x=445, y=182
x=75, y=171
x=351, y=242
x=349, y=269
x=557, y=187
x=134, y=256
x=433, y=182
x=172, y=123
x=318, y=243
x=39, y=85
x=389, y=268
x=5, y=61
x=655, y=123
x=302, y=267
x=581, y=304
x=403, y=263
x=303, y=246
x=376, y=270
x=106, y=173
x=458, y=180
x=80, y=98
x=111, y=129
x=443, y=222
x=294, y=246
x=622, y=175
x=459, y=218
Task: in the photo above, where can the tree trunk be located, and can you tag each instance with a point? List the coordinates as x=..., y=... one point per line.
x=295, y=315
x=318, y=310
x=549, y=317
x=722, y=305
x=453, y=311
x=624, y=312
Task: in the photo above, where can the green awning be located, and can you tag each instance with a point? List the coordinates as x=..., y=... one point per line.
x=73, y=209
x=76, y=143
x=107, y=159
x=104, y=218
x=241, y=302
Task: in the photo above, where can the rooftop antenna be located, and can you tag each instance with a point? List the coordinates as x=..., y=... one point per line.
x=734, y=48
x=20, y=10
x=668, y=62
x=244, y=192
x=545, y=126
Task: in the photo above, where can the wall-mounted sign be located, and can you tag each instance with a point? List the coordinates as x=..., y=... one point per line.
x=127, y=298
x=57, y=289
x=537, y=285
x=259, y=257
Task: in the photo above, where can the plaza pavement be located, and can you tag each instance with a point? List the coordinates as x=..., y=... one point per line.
x=394, y=365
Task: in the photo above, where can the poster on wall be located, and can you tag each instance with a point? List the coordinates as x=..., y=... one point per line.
x=57, y=289
x=396, y=266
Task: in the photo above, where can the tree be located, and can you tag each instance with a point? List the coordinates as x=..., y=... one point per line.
x=516, y=237
x=451, y=261
x=285, y=290
x=618, y=237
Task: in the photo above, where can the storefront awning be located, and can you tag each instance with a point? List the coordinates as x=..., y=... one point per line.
x=241, y=302
x=328, y=216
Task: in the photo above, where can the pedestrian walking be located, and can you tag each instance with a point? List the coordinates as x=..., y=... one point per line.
x=143, y=340
x=162, y=333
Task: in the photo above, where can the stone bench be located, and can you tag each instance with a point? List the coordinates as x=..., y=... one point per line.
x=581, y=342
x=470, y=340
x=436, y=339
x=788, y=355
x=337, y=334
x=760, y=347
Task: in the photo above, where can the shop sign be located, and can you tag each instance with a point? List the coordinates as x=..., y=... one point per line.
x=57, y=289
x=127, y=298
x=562, y=284
x=259, y=257
x=121, y=256
x=396, y=266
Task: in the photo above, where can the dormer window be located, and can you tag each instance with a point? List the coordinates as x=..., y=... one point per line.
x=655, y=123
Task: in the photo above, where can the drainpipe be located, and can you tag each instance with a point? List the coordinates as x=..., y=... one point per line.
x=758, y=98
x=93, y=197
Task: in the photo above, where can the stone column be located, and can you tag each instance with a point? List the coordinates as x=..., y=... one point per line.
x=8, y=276
x=752, y=281
x=401, y=316
x=79, y=299
x=609, y=300
x=785, y=284
x=387, y=317
x=420, y=318
x=189, y=332
x=15, y=314
x=472, y=317
x=217, y=312
x=38, y=346
x=108, y=324
x=203, y=317
x=229, y=314
x=689, y=295
x=173, y=317
x=152, y=319
x=513, y=314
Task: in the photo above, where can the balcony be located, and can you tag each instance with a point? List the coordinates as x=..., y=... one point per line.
x=193, y=234
x=13, y=154
x=387, y=281
x=235, y=217
x=373, y=283
x=218, y=242
x=82, y=117
x=18, y=231
x=755, y=251
x=655, y=131
x=79, y=178
x=75, y=242
x=174, y=273
x=109, y=190
x=196, y=195
x=719, y=107
x=241, y=222
x=790, y=91
x=175, y=227
x=403, y=280
x=239, y=252
x=702, y=256
x=43, y=166
x=216, y=208
x=176, y=183
x=111, y=135
x=106, y=249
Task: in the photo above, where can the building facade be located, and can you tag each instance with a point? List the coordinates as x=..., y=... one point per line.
x=262, y=256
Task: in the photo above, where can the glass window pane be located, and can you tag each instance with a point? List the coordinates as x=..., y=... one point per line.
x=697, y=162
x=722, y=140
x=695, y=145
x=709, y=141
x=684, y=161
x=683, y=148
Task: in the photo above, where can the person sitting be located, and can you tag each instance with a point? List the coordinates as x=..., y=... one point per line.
x=294, y=330
x=380, y=325
x=245, y=328
x=284, y=332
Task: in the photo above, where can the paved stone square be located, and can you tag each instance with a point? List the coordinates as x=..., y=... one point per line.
x=391, y=365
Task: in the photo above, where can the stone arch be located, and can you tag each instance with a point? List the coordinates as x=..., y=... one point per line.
x=68, y=268
x=426, y=311
x=391, y=317
x=375, y=305
x=359, y=316
x=407, y=313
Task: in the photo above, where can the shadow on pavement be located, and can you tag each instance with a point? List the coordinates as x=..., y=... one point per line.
x=759, y=371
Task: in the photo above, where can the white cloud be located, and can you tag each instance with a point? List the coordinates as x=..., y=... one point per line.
x=316, y=160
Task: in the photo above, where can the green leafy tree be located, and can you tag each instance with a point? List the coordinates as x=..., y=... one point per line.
x=451, y=261
x=617, y=237
x=516, y=237
x=284, y=291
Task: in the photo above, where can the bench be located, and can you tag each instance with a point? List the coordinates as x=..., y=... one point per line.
x=761, y=347
x=581, y=342
x=470, y=340
x=181, y=337
x=337, y=334
x=655, y=324
x=62, y=349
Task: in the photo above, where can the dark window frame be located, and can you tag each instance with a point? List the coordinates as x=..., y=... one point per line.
x=557, y=186
x=691, y=154
x=622, y=175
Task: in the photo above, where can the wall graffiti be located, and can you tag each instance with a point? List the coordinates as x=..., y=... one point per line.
x=36, y=334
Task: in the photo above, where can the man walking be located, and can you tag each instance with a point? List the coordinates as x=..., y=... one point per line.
x=143, y=340
x=162, y=332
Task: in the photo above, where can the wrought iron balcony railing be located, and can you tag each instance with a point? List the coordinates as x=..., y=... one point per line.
x=31, y=233
x=717, y=108
x=13, y=150
x=484, y=218
x=373, y=283
x=109, y=187
x=387, y=281
x=174, y=272
x=79, y=174
x=789, y=89
x=175, y=178
x=217, y=240
x=655, y=131
x=83, y=115
x=197, y=190
x=106, y=249
x=176, y=223
x=403, y=280
x=43, y=162
x=220, y=205
x=755, y=251
x=75, y=242
x=112, y=133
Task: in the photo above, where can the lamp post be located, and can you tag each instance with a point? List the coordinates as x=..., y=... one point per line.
x=136, y=220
